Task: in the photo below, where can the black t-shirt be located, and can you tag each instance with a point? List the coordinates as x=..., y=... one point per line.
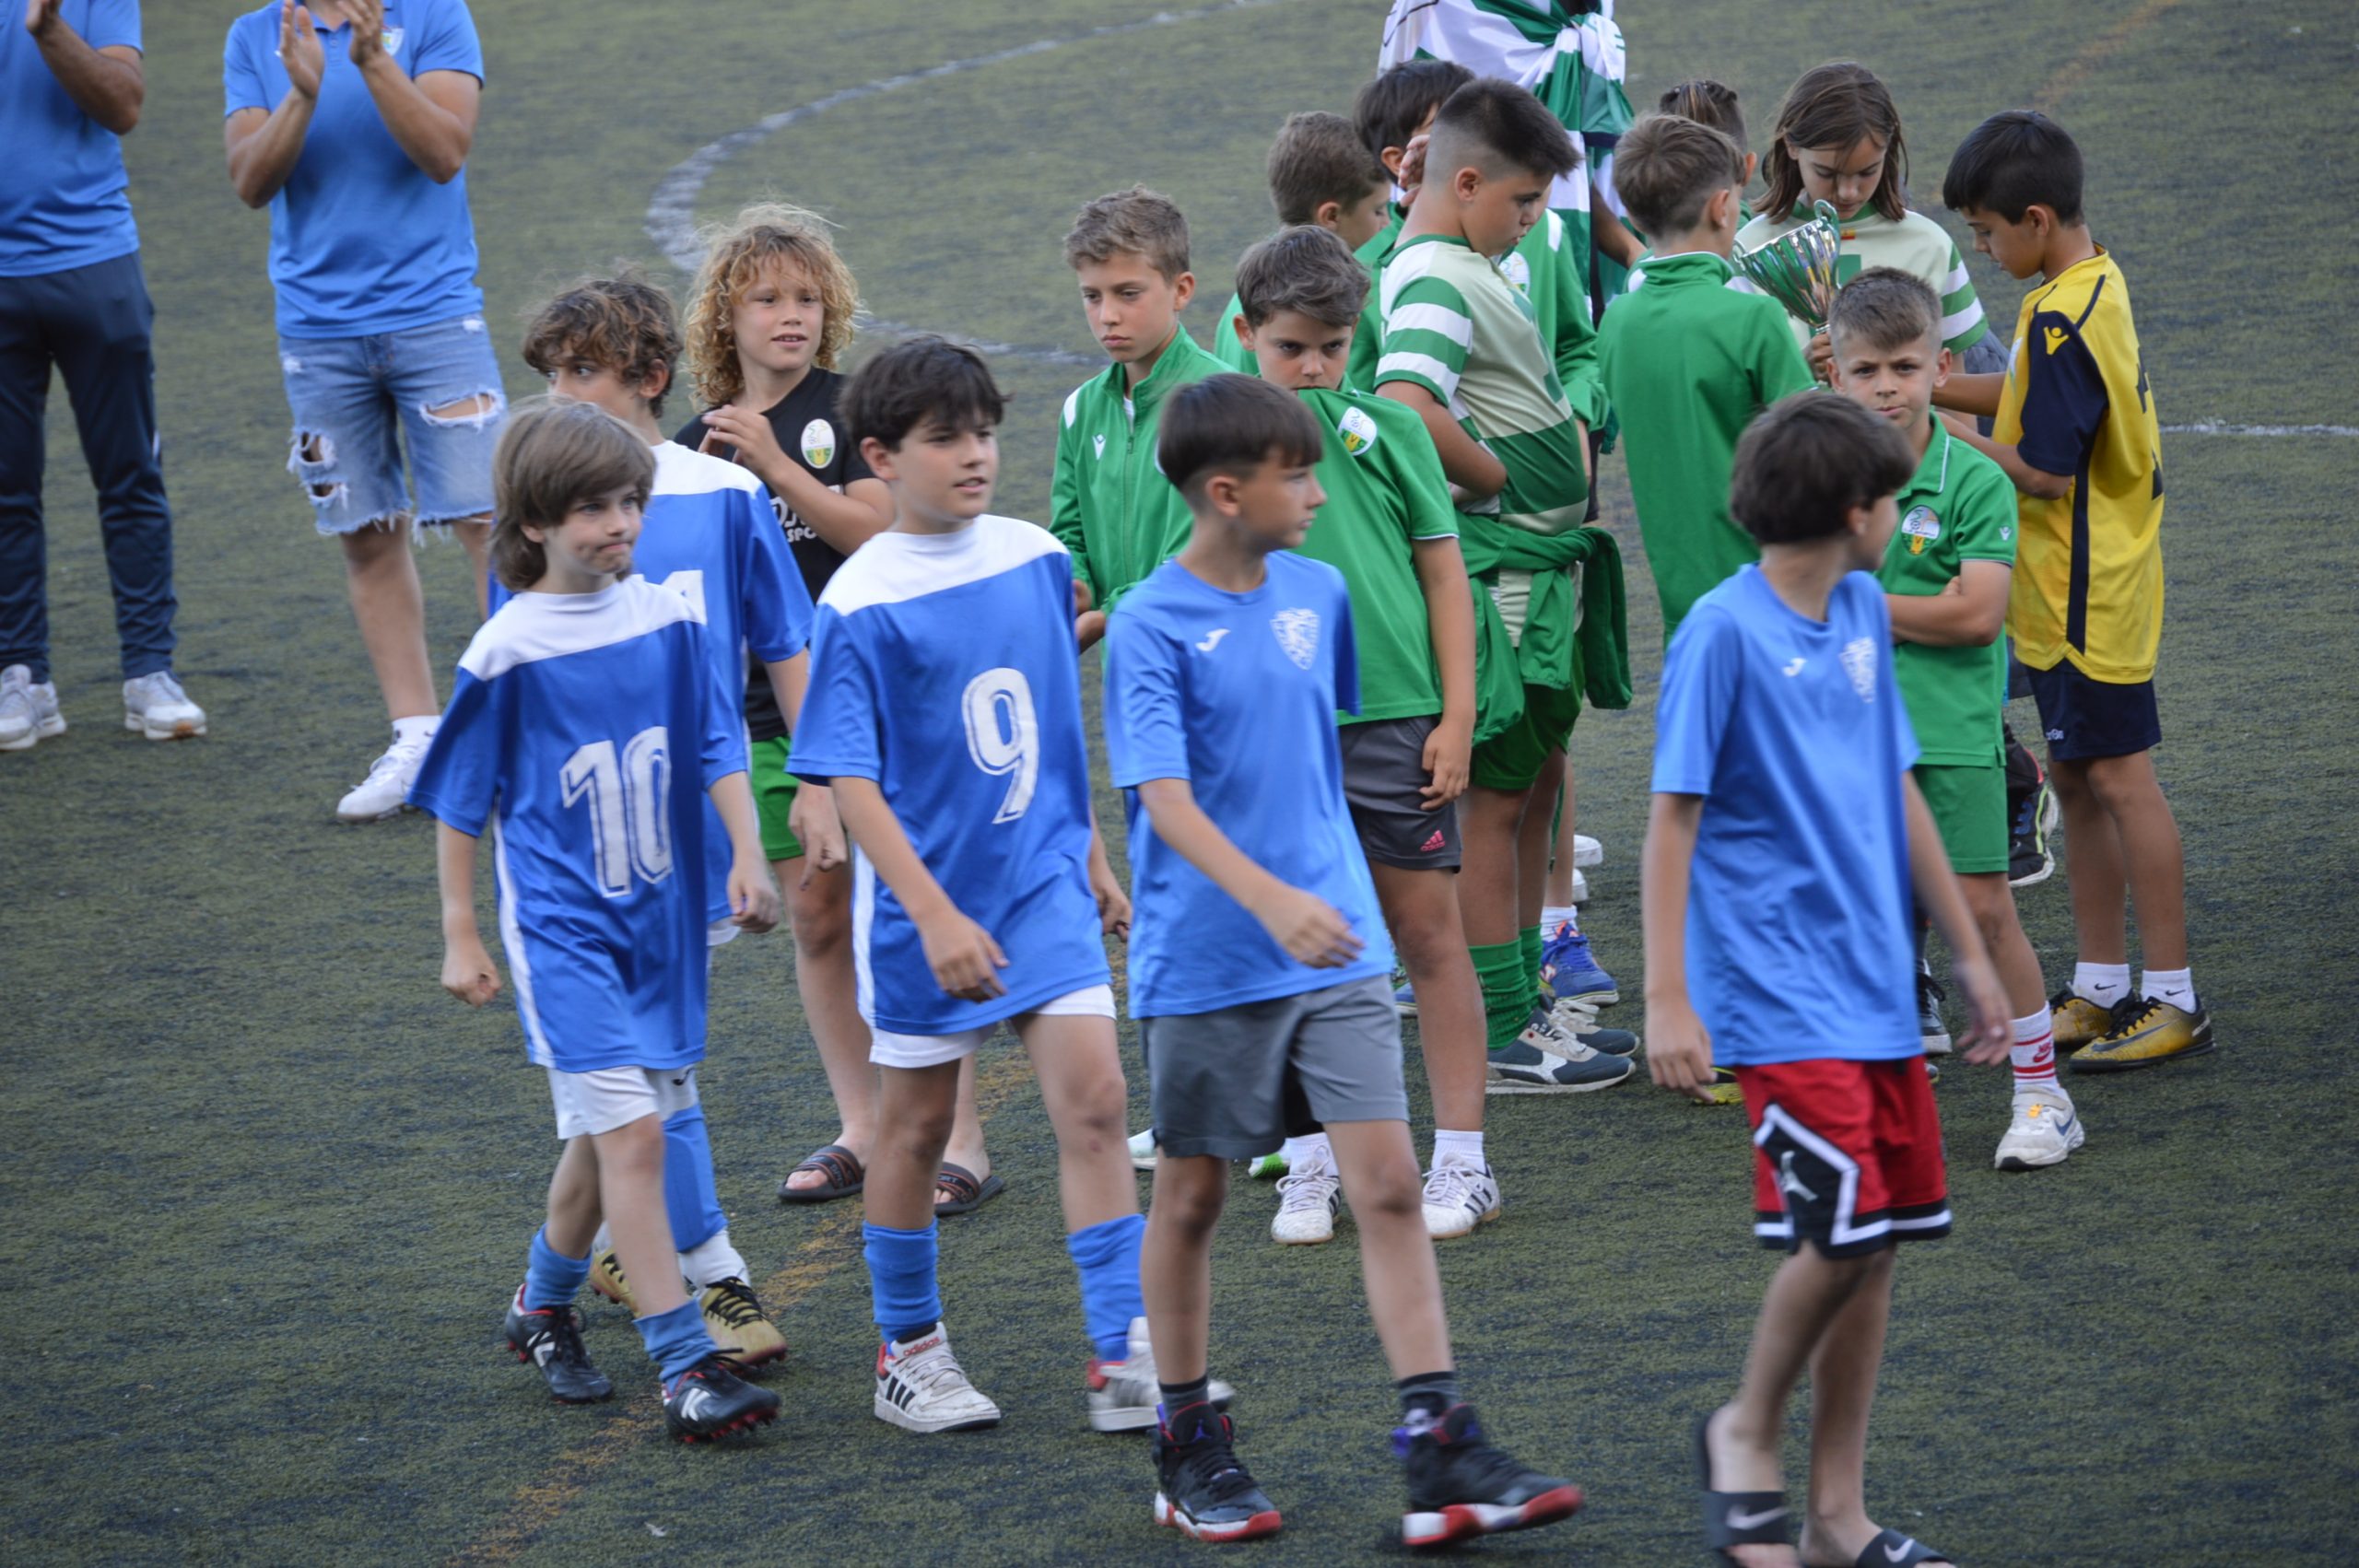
x=807, y=430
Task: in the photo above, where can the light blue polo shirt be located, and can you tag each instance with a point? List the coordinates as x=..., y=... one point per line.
x=361, y=241
x=63, y=197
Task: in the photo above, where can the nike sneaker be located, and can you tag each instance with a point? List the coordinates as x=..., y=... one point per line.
x=733, y=1317
x=28, y=712
x=2042, y=1131
x=1570, y=972
x=709, y=1401
x=1461, y=1487
x=1201, y=1489
x=1459, y=1194
x=2076, y=1020
x=1310, y=1196
x=550, y=1338
x=1544, y=1061
x=2147, y=1030
x=1123, y=1394
x=1930, y=997
x=921, y=1388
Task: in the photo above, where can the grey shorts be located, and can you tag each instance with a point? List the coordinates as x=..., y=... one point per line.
x=1239, y=1081
x=1384, y=775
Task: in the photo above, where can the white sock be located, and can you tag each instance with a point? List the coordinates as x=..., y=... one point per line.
x=1557, y=914
x=711, y=1260
x=2033, y=1054
x=416, y=730
x=1297, y=1152
x=1466, y=1147
x=603, y=1243
x=2103, y=984
x=2172, y=986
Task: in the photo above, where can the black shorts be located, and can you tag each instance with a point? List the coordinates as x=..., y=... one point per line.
x=1384, y=775
x=2085, y=718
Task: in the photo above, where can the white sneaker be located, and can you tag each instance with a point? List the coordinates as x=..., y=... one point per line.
x=921, y=1388
x=1308, y=1197
x=154, y=705
x=1580, y=886
x=1143, y=1149
x=1123, y=1394
x=1588, y=851
x=2044, y=1129
x=386, y=792
x=1459, y=1194
x=28, y=710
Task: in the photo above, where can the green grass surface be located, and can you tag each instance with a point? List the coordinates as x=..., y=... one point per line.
x=266, y=1186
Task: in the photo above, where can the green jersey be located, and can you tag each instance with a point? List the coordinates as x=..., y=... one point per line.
x=1688, y=362
x=1958, y=507
x=1226, y=347
x=1109, y=504
x=1385, y=490
x=1916, y=245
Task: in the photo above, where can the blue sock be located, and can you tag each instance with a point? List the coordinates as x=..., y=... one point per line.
x=1108, y=1256
x=676, y=1340
x=901, y=1279
x=551, y=1279
x=691, y=1198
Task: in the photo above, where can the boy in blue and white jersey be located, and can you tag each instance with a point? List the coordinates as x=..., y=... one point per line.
x=1261, y=1002
x=711, y=536
x=945, y=712
x=576, y=708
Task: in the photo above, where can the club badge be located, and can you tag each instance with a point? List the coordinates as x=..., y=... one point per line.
x=1357, y=429
x=1921, y=527
x=818, y=443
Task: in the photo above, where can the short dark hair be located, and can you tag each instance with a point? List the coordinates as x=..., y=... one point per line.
x=917, y=380
x=624, y=323
x=1390, y=111
x=1706, y=102
x=1307, y=270
x=554, y=455
x=1318, y=158
x=1496, y=126
x=1232, y=425
x=1885, y=308
x=2012, y=162
x=1807, y=461
x=1667, y=167
x=1136, y=222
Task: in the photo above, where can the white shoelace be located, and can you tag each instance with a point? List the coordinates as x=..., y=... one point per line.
x=929, y=1372
x=1309, y=1188
x=1449, y=1184
x=395, y=757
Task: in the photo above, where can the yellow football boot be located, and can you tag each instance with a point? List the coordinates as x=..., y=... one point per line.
x=607, y=1278
x=743, y=1331
x=2077, y=1021
x=2146, y=1031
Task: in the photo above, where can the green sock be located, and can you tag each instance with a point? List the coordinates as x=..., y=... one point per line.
x=1528, y=950
x=1506, y=1000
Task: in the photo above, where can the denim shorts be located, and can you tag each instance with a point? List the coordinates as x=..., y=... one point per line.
x=349, y=394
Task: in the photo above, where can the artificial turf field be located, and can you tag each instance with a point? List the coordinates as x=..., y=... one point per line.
x=266, y=1186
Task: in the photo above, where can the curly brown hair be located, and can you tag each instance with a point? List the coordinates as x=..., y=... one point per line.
x=765, y=238
x=622, y=323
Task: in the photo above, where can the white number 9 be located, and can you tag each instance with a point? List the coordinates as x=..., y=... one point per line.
x=1003, y=736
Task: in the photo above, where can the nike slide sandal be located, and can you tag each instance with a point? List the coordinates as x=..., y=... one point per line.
x=967, y=1194
x=1736, y=1518
x=1892, y=1550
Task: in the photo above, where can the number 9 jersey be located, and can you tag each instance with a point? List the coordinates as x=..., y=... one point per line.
x=597, y=724
x=942, y=667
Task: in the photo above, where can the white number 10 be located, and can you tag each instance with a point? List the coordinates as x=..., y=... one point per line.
x=630, y=806
x=1003, y=736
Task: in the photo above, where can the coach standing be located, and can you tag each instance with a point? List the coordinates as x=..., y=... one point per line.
x=353, y=120
x=72, y=294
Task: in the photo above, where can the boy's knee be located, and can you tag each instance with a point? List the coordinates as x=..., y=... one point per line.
x=1395, y=1190
x=1097, y=1106
x=2121, y=781
x=476, y=412
x=1192, y=1207
x=822, y=924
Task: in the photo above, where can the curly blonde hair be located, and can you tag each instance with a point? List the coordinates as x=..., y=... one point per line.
x=764, y=237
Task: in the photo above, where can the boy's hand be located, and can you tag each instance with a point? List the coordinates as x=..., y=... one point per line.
x=1449, y=759
x=757, y=443
x=965, y=960
x=468, y=972
x=753, y=895
x=1312, y=931
x=299, y=49
x=1988, y=1033
x=1679, y=1050
x=1413, y=165
x=814, y=822
x=1820, y=352
x=368, y=19
x=1113, y=904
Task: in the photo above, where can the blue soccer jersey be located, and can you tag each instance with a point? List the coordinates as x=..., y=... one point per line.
x=1236, y=694
x=571, y=718
x=1799, y=906
x=944, y=668
x=712, y=538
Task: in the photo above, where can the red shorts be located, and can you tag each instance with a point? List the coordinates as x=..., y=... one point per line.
x=1847, y=1155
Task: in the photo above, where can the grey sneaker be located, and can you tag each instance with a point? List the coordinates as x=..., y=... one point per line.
x=1544, y=1060
x=28, y=710
x=154, y=705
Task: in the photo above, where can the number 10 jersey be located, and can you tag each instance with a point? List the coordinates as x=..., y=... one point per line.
x=942, y=668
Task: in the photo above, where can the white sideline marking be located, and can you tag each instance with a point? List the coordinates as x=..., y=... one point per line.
x=2216, y=427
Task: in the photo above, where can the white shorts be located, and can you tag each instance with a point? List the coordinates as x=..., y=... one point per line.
x=615, y=1096
x=888, y=1050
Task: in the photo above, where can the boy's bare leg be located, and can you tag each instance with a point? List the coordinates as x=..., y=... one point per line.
x=390, y=607
x=820, y=915
x=1386, y=1189
x=1559, y=893
x=1421, y=911
x=1489, y=821
x=1992, y=904
x=2129, y=793
x=1533, y=835
x=474, y=535
x=966, y=1146
x=2093, y=867
x=574, y=1213
x=1176, y=1263
x=631, y=1191
x=1081, y=1085
x=1835, y=1527
x=914, y=1108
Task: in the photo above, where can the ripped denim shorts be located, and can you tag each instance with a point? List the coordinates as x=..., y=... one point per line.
x=437, y=384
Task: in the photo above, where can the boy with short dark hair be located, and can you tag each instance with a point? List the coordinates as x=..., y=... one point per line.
x=945, y=712
x=1257, y=975
x=1461, y=352
x=2077, y=434
x=578, y=704
x=1320, y=173
x=709, y=536
x=1109, y=509
x=1781, y=780
x=1946, y=578
x=1689, y=361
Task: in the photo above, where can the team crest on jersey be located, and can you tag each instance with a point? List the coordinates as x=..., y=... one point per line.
x=1298, y=633
x=1357, y=429
x=1860, y=663
x=1099, y=443
x=1922, y=528
x=392, y=40
x=1516, y=271
x=818, y=443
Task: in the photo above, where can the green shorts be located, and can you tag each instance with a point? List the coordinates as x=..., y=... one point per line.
x=1969, y=806
x=1513, y=758
x=774, y=789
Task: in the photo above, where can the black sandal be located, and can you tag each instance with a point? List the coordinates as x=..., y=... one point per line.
x=966, y=1193
x=1892, y=1550
x=1736, y=1518
x=843, y=1168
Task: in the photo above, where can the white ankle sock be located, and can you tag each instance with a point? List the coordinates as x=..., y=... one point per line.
x=418, y=729
x=711, y=1260
x=1297, y=1150
x=1558, y=915
x=2103, y=984
x=2034, y=1053
x=1465, y=1146
x=2172, y=986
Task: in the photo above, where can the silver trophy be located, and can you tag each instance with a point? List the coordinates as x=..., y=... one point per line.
x=1797, y=269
